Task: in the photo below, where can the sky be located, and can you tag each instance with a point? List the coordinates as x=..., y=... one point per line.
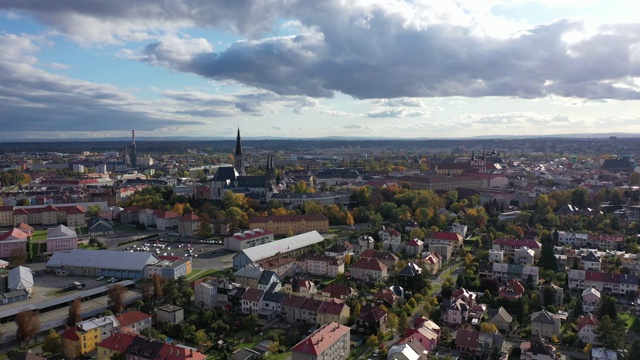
x=309, y=69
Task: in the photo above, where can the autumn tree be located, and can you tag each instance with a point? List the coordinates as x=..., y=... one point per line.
x=28, y=323
x=157, y=286
x=116, y=293
x=18, y=257
x=489, y=328
x=52, y=343
x=74, y=312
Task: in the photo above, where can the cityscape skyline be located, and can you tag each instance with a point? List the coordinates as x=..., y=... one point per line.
x=295, y=69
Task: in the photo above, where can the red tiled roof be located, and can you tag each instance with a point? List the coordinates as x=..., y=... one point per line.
x=333, y=307
x=70, y=334
x=444, y=235
x=20, y=212
x=530, y=243
x=190, y=217
x=369, y=264
x=14, y=233
x=118, y=341
x=132, y=317
x=586, y=320
x=6, y=208
x=24, y=226
x=467, y=338
x=321, y=339
x=338, y=290
x=253, y=295
x=171, y=352
x=380, y=255
x=169, y=214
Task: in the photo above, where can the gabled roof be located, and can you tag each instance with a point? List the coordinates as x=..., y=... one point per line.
x=14, y=234
x=105, y=259
x=61, y=231
x=501, y=313
x=369, y=264
x=540, y=346
x=332, y=307
x=444, y=235
x=372, y=313
x=338, y=290
x=321, y=339
x=591, y=257
x=132, y=317
x=118, y=341
x=410, y=270
x=543, y=317
x=293, y=301
x=380, y=255
x=253, y=295
x=20, y=278
x=587, y=320
x=467, y=338
x=264, y=251
x=266, y=277
x=190, y=218
x=289, y=218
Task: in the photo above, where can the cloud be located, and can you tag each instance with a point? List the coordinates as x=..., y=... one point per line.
x=36, y=100
x=375, y=50
x=395, y=113
x=353, y=126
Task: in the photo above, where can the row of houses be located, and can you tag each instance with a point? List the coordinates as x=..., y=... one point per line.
x=504, y=272
x=72, y=215
x=617, y=284
x=188, y=224
x=598, y=241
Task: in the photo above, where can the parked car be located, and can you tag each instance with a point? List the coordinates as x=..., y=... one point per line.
x=112, y=280
x=100, y=278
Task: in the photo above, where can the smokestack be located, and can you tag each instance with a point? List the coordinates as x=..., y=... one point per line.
x=133, y=136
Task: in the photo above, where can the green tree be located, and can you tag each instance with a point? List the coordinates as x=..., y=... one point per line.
x=578, y=310
x=547, y=259
x=52, y=343
x=633, y=351
x=610, y=333
x=608, y=307
x=373, y=341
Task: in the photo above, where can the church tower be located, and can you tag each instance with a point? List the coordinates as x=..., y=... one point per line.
x=237, y=162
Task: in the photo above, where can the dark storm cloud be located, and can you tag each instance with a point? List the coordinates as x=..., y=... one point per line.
x=373, y=50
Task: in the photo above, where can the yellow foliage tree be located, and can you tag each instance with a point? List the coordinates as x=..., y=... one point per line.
x=489, y=328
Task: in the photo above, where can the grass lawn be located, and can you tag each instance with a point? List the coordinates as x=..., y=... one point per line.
x=82, y=230
x=280, y=356
x=631, y=322
x=434, y=289
x=39, y=235
x=198, y=274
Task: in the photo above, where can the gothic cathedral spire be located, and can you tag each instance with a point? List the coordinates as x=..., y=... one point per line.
x=237, y=163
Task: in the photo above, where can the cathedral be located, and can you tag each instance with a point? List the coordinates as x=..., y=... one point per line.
x=233, y=178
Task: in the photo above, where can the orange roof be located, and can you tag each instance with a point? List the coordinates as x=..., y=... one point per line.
x=132, y=317
x=70, y=334
x=190, y=217
x=14, y=234
x=288, y=218
x=118, y=341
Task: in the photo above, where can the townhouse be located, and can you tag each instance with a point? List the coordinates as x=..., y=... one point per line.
x=616, y=284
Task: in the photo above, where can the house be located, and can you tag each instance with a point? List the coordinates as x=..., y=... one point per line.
x=362, y=244
x=501, y=319
x=444, y=249
x=598, y=353
x=558, y=294
x=409, y=348
x=591, y=262
x=476, y=344
x=386, y=297
x=391, y=239
x=339, y=250
x=322, y=265
x=329, y=342
x=545, y=324
x=410, y=277
x=372, y=320
x=440, y=237
x=292, y=307
x=385, y=257
x=618, y=284
x=369, y=269
x=268, y=278
x=426, y=336
x=166, y=219
x=455, y=312
x=586, y=330
x=496, y=256
x=537, y=349
x=61, y=238
x=98, y=226
x=476, y=313
x=509, y=246
x=590, y=299
x=333, y=311
x=414, y=247
x=170, y=314
x=337, y=291
x=134, y=322
x=272, y=302
x=189, y=224
x=309, y=311
x=300, y=287
x=12, y=241
x=249, y=275
x=251, y=301
x=84, y=337
x=524, y=256
x=114, y=344
x=431, y=262
x=512, y=290
x=467, y=296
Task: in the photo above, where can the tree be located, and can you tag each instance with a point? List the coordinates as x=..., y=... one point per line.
x=547, y=259
x=74, y=312
x=93, y=210
x=116, y=293
x=28, y=323
x=417, y=233
x=18, y=257
x=495, y=354
x=610, y=333
x=578, y=310
x=373, y=341
x=392, y=321
x=52, y=343
x=157, y=286
x=488, y=328
x=608, y=307
x=633, y=351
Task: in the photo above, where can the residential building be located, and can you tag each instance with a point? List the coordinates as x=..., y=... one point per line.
x=84, y=337
x=251, y=301
x=586, y=330
x=558, y=294
x=545, y=324
x=247, y=239
x=504, y=272
x=408, y=348
x=189, y=224
x=509, y=246
x=329, y=342
x=590, y=300
x=591, y=262
x=337, y=291
x=114, y=344
x=391, y=239
x=385, y=257
x=512, y=290
x=269, y=279
x=501, y=319
x=300, y=286
x=410, y=277
x=615, y=284
x=170, y=314
x=474, y=344
x=170, y=267
x=414, y=247
x=321, y=265
x=12, y=241
x=456, y=312
x=372, y=320
x=496, y=256
x=134, y=322
x=537, y=349
x=249, y=275
x=166, y=219
x=440, y=237
x=431, y=262
x=290, y=224
x=445, y=250
x=369, y=269
x=573, y=239
x=340, y=250
x=524, y=256
x=61, y=238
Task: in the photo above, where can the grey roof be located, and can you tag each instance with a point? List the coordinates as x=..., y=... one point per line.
x=60, y=231
x=591, y=257
x=410, y=270
x=264, y=251
x=103, y=259
x=225, y=173
x=266, y=276
x=20, y=278
x=501, y=312
x=274, y=297
x=542, y=317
